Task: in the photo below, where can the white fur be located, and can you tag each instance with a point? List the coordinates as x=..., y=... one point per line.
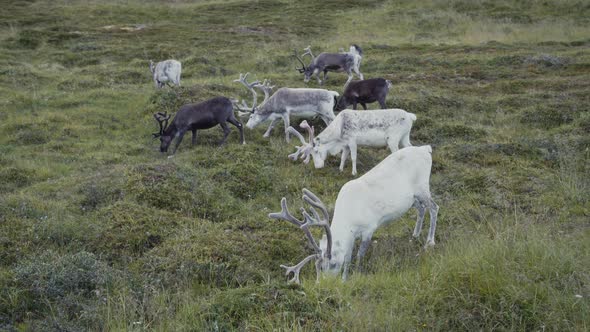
x=296, y=102
x=382, y=195
x=166, y=71
x=377, y=128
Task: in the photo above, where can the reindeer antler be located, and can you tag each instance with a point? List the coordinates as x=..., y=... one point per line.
x=308, y=52
x=306, y=148
x=161, y=118
x=309, y=221
x=302, y=69
x=249, y=86
x=266, y=88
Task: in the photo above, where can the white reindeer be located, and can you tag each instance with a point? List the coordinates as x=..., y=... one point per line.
x=379, y=197
x=166, y=71
x=287, y=102
x=377, y=128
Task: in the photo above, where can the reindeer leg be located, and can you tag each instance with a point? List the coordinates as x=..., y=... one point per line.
x=406, y=140
x=392, y=143
x=382, y=103
x=433, y=211
x=179, y=137
x=270, y=128
x=325, y=75
x=240, y=127
x=317, y=76
x=343, y=157
x=354, y=105
x=364, y=106
x=346, y=265
x=366, y=241
x=420, y=218
x=358, y=72
x=348, y=80
x=286, y=121
x=352, y=147
x=194, y=139
x=226, y=131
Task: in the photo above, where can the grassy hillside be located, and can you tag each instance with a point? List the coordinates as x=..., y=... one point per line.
x=99, y=231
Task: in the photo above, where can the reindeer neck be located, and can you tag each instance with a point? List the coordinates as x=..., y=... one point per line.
x=170, y=130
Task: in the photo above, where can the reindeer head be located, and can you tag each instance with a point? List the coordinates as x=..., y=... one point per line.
x=306, y=71
x=306, y=148
x=341, y=104
x=255, y=117
x=165, y=140
x=152, y=68
x=313, y=148
x=323, y=252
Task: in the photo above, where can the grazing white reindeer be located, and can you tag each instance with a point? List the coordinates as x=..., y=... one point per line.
x=165, y=72
x=286, y=102
x=379, y=197
x=390, y=127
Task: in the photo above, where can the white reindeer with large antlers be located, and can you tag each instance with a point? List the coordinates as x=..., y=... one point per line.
x=304, y=103
x=382, y=195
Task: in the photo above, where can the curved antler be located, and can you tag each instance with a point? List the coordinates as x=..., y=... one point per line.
x=302, y=69
x=249, y=86
x=309, y=221
x=266, y=88
x=161, y=118
x=306, y=148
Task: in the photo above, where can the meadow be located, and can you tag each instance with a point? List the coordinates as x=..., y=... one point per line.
x=100, y=231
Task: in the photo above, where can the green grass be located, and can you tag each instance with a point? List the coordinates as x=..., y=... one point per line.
x=99, y=231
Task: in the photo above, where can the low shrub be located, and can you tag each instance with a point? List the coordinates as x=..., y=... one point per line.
x=15, y=177
x=284, y=304
x=546, y=117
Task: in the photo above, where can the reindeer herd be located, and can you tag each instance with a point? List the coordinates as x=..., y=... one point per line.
x=380, y=196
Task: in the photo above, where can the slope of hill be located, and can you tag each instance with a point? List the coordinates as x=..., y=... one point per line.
x=99, y=231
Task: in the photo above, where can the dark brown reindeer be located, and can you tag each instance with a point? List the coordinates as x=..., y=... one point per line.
x=364, y=92
x=205, y=115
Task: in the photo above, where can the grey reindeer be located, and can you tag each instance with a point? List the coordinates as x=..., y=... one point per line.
x=337, y=62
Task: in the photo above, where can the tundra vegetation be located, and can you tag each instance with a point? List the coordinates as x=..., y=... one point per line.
x=98, y=231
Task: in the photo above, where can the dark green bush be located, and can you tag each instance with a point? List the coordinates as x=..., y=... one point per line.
x=29, y=39
x=96, y=194
x=65, y=285
x=51, y=276
x=546, y=117
x=456, y=131
x=15, y=177
x=232, y=309
x=180, y=190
